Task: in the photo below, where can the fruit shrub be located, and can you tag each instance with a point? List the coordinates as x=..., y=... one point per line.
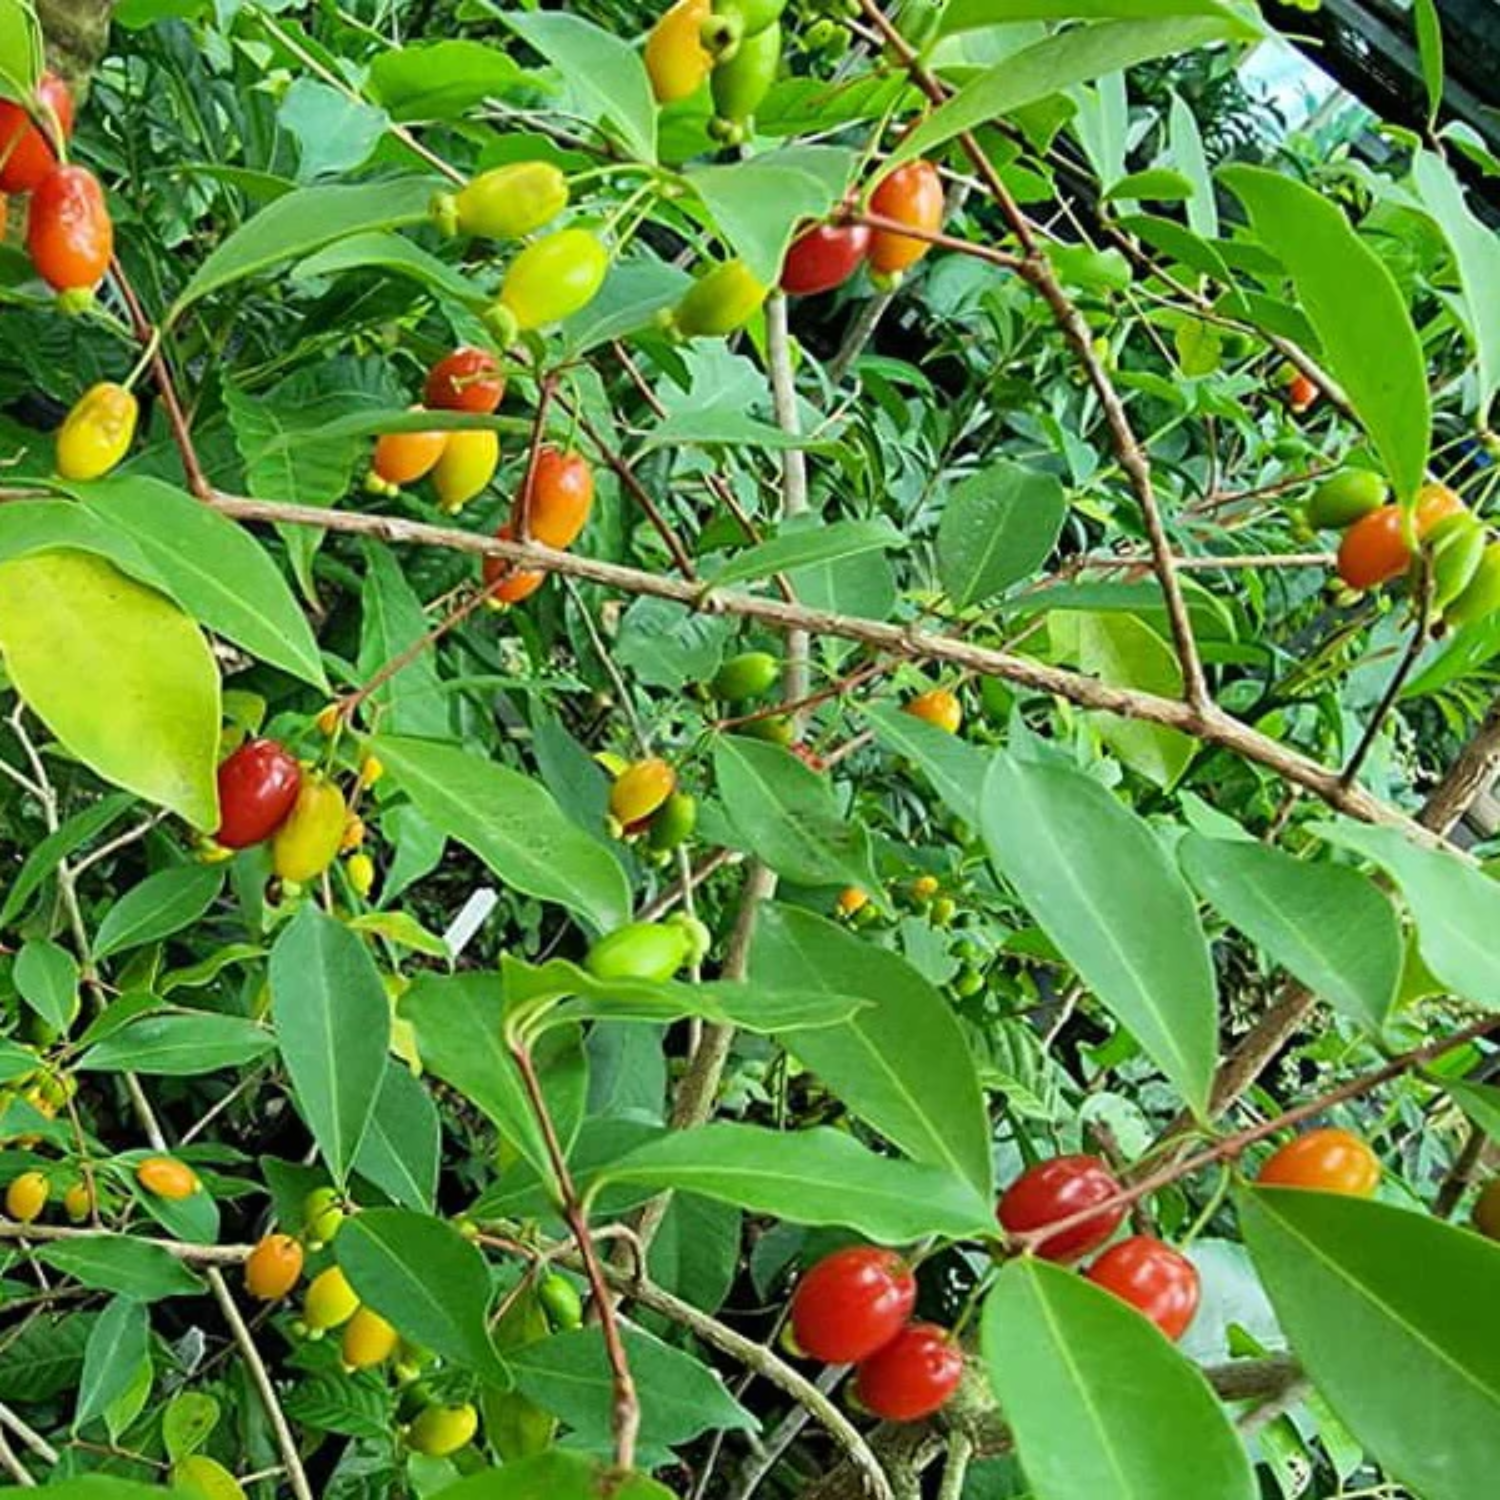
x=949, y=597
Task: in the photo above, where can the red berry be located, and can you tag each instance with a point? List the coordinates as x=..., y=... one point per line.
x=69, y=235
x=913, y=1376
x=257, y=788
x=26, y=154
x=466, y=380
x=1301, y=393
x=852, y=1303
x=1153, y=1277
x=823, y=258
x=1058, y=1189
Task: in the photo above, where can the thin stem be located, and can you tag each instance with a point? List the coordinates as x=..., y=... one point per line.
x=626, y=1415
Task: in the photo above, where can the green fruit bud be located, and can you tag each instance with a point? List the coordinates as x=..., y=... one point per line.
x=746, y=676
x=1480, y=598
x=322, y=1216
x=672, y=823
x=700, y=939
x=560, y=1298
x=1457, y=544
x=969, y=981
x=1341, y=500
x=776, y=730
x=653, y=951
x=720, y=302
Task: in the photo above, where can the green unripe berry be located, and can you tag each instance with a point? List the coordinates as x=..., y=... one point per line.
x=1341, y=500
x=746, y=676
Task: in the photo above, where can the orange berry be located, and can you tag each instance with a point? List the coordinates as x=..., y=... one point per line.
x=273, y=1267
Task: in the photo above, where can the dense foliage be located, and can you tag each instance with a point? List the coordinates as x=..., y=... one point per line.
x=734, y=758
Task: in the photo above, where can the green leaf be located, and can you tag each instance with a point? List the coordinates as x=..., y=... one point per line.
x=1360, y=315
x=188, y=1422
x=1430, y=44
x=1393, y=1315
x=970, y=15
x=955, y=768
x=557, y=1475
x=400, y=1150
x=998, y=527
x=69, y=622
x=334, y=132
x=569, y=1376
x=1455, y=905
x=817, y=1176
x=1124, y=651
x=793, y=1005
x=511, y=822
x=214, y=569
x=389, y=252
x=179, y=1046
x=304, y=221
x=20, y=49
x=440, y=80
x=802, y=548
x=391, y=620
x=785, y=812
x=119, y=1344
x=1186, y=141
x=666, y=645
x=902, y=1064
x=757, y=202
x=605, y=75
x=423, y=1276
x=46, y=978
x=1105, y=892
x=1158, y=184
x=28, y=526
x=1328, y=925
x=459, y=1023
x=1476, y=257
x=1058, y=62
x=42, y=862
x=333, y=1024
x=160, y=905
x=1100, y=1402
x=117, y=1263
x=1480, y=1101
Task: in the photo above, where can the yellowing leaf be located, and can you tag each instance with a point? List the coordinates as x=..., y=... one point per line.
x=121, y=676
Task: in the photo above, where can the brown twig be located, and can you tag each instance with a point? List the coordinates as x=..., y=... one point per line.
x=626, y=1416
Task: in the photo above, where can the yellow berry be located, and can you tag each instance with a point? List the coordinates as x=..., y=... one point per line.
x=166, y=1177
x=273, y=1267
x=441, y=1430
x=368, y=1340
x=330, y=1301
x=27, y=1196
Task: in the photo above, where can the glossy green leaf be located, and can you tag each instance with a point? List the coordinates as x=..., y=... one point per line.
x=970, y=15
x=69, y=623
x=214, y=569
x=459, y=1023
x=794, y=1003
x=757, y=202
x=512, y=824
x=1124, y=651
x=1102, y=1404
x=392, y=253
x=119, y=1344
x=1106, y=893
x=568, y=1375
x=1186, y=141
x=333, y=1025
x=1455, y=905
x=160, y=905
x=46, y=978
x=1158, y=184
x=817, y=1176
x=440, y=80
x=555, y=1475
x=400, y=1150
x=303, y=221
x=28, y=526
x=1430, y=46
x=1476, y=257
x=1480, y=1101
x=392, y=621
x=1328, y=925
x=955, y=768
x=1058, y=62
x=903, y=1064
x=20, y=49
x=998, y=527
x=1393, y=1315
x=786, y=814
x=804, y=547
x=423, y=1276
x=118, y=1263
x=604, y=73
x=179, y=1046
x=1353, y=301
x=187, y=1423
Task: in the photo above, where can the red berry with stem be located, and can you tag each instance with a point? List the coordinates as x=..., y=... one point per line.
x=466, y=380
x=27, y=153
x=1058, y=1189
x=1158, y=1280
x=852, y=1303
x=824, y=257
x=913, y=1376
x=257, y=789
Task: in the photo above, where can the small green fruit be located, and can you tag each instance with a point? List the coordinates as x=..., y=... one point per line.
x=653, y=951
x=1341, y=500
x=746, y=676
